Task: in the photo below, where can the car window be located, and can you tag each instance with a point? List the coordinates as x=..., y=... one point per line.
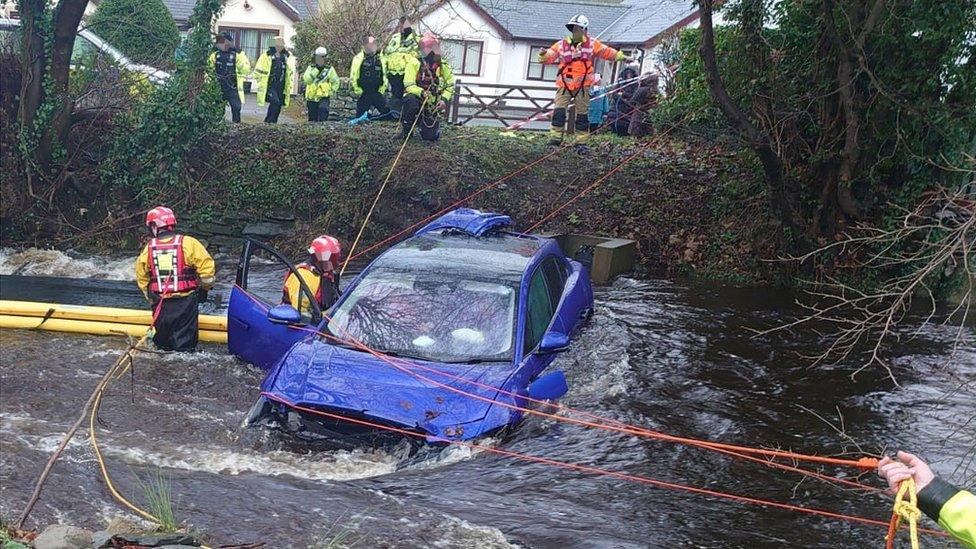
x=539, y=311
x=432, y=314
x=555, y=281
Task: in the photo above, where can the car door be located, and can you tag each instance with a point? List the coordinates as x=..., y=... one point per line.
x=250, y=334
x=575, y=295
x=538, y=317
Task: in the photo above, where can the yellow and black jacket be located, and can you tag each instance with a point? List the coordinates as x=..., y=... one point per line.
x=952, y=508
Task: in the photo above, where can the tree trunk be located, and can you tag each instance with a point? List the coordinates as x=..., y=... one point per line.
x=846, y=90
x=67, y=17
x=33, y=62
x=771, y=162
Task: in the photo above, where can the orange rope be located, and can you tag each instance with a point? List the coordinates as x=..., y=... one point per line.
x=599, y=471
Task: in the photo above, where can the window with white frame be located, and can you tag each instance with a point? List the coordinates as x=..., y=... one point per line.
x=464, y=56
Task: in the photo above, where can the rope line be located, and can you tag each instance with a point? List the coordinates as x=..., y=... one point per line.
x=904, y=509
x=599, y=471
x=376, y=200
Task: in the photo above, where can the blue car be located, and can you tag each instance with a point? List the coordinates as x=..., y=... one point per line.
x=439, y=336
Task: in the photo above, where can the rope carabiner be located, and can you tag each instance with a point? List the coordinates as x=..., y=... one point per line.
x=904, y=510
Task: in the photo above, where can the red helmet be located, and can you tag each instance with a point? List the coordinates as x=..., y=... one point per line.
x=160, y=217
x=325, y=248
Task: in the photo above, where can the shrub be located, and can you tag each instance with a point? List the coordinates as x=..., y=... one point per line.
x=143, y=30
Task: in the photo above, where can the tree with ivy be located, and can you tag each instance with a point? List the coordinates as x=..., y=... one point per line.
x=143, y=30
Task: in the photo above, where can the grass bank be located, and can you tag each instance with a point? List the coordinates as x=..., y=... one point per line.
x=695, y=208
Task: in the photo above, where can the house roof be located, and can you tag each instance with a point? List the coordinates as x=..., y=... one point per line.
x=296, y=10
x=628, y=22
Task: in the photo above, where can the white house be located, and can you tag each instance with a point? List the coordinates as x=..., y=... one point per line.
x=497, y=41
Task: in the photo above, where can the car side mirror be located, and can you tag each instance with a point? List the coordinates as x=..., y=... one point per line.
x=553, y=342
x=284, y=314
x=549, y=387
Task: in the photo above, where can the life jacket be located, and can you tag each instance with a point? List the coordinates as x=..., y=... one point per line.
x=325, y=294
x=168, y=271
x=575, y=63
x=429, y=76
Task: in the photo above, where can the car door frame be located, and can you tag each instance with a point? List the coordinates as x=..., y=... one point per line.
x=277, y=338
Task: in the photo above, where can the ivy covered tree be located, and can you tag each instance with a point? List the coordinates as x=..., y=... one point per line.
x=143, y=30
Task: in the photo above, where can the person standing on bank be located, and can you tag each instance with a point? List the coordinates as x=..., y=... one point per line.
x=367, y=76
x=575, y=55
x=275, y=71
x=230, y=66
x=176, y=269
x=320, y=81
x=402, y=48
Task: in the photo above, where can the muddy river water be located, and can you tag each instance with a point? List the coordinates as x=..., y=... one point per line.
x=674, y=357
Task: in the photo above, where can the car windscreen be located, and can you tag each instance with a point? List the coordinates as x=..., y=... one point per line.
x=434, y=315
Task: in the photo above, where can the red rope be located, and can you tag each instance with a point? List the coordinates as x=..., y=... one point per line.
x=599, y=471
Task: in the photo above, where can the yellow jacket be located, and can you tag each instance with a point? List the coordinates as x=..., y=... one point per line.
x=445, y=80
x=354, y=68
x=243, y=66
x=400, y=51
x=262, y=71
x=194, y=255
x=319, y=82
x=954, y=509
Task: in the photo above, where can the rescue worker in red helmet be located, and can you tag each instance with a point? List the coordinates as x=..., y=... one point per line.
x=319, y=275
x=428, y=90
x=178, y=270
x=576, y=55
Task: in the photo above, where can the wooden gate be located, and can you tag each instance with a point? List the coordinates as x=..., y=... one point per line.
x=498, y=104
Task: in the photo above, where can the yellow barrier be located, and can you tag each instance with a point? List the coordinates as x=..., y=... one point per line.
x=93, y=327
x=98, y=314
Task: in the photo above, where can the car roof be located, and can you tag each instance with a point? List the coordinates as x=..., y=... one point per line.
x=502, y=255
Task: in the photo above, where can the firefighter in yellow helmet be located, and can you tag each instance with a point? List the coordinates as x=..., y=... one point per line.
x=275, y=72
x=176, y=269
x=575, y=54
x=319, y=275
x=952, y=508
x=428, y=90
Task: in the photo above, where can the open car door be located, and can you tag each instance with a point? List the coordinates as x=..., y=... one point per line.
x=260, y=329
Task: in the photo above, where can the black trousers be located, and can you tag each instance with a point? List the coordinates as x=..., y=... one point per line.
x=233, y=99
x=318, y=111
x=396, y=90
x=274, y=109
x=176, y=325
x=429, y=122
x=372, y=99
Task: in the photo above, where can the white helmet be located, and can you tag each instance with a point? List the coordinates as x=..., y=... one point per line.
x=321, y=51
x=579, y=21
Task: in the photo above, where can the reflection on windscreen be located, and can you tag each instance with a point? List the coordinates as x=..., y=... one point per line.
x=437, y=316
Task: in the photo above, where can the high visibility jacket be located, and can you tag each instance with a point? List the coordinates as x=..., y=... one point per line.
x=320, y=82
x=242, y=66
x=262, y=71
x=399, y=51
x=325, y=287
x=954, y=509
x=576, y=60
x=174, y=265
x=438, y=79
x=355, y=74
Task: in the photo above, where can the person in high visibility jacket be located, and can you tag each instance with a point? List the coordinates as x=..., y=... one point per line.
x=429, y=88
x=230, y=65
x=176, y=269
x=952, y=508
x=320, y=81
x=319, y=275
x=575, y=55
x=368, y=79
x=275, y=72
x=400, y=51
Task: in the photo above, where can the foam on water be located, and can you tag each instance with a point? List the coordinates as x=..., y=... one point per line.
x=41, y=262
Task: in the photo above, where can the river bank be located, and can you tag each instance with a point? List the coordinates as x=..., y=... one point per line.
x=695, y=208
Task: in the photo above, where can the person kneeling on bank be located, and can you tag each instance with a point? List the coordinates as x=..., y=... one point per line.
x=176, y=269
x=428, y=89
